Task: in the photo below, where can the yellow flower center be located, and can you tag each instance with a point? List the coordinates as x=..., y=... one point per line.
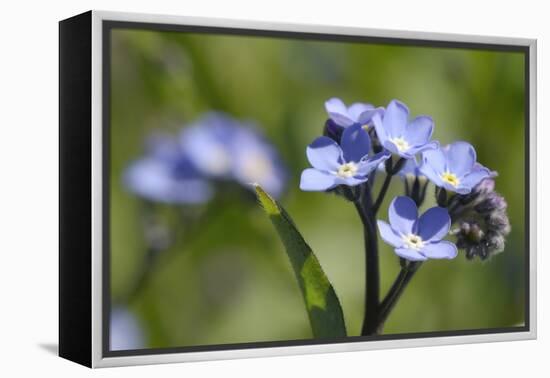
x=365, y=127
x=450, y=178
x=402, y=144
x=347, y=170
x=413, y=241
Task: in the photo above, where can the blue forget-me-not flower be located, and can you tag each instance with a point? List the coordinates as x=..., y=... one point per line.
x=224, y=148
x=257, y=161
x=401, y=137
x=454, y=167
x=357, y=113
x=165, y=174
x=346, y=164
x=417, y=238
x=208, y=143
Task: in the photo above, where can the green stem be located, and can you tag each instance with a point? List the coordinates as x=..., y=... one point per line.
x=395, y=292
x=382, y=194
x=391, y=170
x=372, y=272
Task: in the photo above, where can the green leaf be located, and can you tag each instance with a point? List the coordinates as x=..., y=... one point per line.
x=322, y=304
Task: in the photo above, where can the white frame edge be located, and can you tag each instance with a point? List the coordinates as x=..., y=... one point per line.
x=97, y=183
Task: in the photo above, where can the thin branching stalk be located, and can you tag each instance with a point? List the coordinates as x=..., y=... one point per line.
x=382, y=194
x=391, y=170
x=400, y=284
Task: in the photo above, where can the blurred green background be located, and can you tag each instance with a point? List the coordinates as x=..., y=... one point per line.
x=231, y=282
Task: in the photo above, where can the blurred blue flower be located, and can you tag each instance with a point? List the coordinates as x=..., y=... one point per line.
x=357, y=113
x=454, y=167
x=165, y=174
x=125, y=331
x=221, y=147
x=256, y=161
x=400, y=136
x=333, y=165
x=208, y=143
x=417, y=238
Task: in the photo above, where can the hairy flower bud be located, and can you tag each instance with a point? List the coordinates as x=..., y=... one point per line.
x=490, y=203
x=482, y=220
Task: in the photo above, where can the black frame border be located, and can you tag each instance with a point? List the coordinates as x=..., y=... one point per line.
x=75, y=193
x=108, y=25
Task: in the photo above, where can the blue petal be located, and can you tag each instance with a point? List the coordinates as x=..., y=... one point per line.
x=472, y=179
x=313, y=180
x=434, y=177
x=157, y=180
x=461, y=158
x=433, y=145
x=435, y=159
x=324, y=154
x=390, y=146
x=433, y=165
x=389, y=235
x=360, y=113
x=410, y=254
x=355, y=143
x=369, y=164
x=379, y=128
x=440, y=250
x=403, y=214
x=338, y=112
x=366, y=117
x=395, y=119
x=335, y=105
x=434, y=224
x=411, y=152
x=256, y=161
x=419, y=131
x=208, y=147
x=457, y=190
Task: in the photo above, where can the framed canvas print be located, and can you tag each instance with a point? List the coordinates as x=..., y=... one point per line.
x=235, y=189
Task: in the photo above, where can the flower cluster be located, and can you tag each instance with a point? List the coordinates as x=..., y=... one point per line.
x=362, y=139
x=215, y=148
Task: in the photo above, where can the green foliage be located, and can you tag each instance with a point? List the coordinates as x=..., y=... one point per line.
x=322, y=304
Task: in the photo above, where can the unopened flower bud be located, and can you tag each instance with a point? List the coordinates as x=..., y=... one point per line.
x=483, y=222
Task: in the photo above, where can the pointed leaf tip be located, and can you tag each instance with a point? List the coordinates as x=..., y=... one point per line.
x=322, y=304
x=268, y=203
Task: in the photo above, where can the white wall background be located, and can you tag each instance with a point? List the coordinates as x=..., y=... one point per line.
x=28, y=185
